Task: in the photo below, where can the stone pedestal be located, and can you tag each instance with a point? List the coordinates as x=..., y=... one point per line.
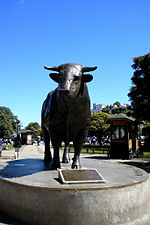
x=31, y=193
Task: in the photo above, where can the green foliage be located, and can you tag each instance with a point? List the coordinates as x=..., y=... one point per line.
x=107, y=109
x=146, y=133
x=140, y=91
x=35, y=127
x=98, y=122
x=146, y=129
x=146, y=154
x=117, y=107
x=7, y=112
x=6, y=122
x=117, y=104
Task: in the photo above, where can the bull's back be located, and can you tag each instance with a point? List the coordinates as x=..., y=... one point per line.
x=48, y=108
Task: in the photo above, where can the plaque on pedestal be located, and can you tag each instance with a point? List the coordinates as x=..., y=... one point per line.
x=80, y=176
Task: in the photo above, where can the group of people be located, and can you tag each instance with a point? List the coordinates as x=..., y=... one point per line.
x=91, y=140
x=104, y=140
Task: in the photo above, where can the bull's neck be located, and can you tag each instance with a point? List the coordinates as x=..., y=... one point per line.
x=70, y=104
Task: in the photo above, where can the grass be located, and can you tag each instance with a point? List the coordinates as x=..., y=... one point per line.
x=10, y=147
x=146, y=154
x=89, y=151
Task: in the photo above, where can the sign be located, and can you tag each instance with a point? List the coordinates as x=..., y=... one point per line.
x=80, y=176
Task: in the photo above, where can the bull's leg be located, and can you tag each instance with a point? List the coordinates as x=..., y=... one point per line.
x=66, y=157
x=76, y=159
x=56, y=160
x=47, y=156
x=77, y=149
x=79, y=140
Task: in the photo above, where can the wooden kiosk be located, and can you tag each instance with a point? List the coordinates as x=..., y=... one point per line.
x=26, y=136
x=123, y=136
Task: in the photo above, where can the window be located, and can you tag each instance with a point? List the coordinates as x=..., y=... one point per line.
x=119, y=132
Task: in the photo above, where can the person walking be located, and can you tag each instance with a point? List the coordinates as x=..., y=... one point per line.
x=17, y=146
x=38, y=140
x=0, y=147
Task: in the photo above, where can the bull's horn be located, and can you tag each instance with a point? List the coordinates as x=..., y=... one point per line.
x=88, y=69
x=55, y=68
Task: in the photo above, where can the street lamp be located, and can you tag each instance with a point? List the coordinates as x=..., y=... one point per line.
x=16, y=121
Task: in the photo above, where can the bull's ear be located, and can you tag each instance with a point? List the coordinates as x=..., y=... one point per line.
x=55, y=77
x=87, y=78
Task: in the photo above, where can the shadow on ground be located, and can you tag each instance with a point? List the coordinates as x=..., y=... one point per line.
x=92, y=156
x=142, y=163
x=19, y=168
x=5, y=220
x=24, y=167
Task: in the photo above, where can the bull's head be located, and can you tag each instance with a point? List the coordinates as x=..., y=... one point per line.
x=71, y=77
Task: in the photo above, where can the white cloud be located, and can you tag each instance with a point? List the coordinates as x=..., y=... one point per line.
x=21, y=1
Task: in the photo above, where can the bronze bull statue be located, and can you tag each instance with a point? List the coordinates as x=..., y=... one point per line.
x=66, y=112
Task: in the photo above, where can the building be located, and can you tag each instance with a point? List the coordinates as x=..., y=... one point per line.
x=97, y=107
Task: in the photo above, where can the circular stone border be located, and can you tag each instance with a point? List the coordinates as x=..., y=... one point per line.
x=28, y=199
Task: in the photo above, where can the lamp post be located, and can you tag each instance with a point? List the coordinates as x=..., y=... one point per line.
x=16, y=121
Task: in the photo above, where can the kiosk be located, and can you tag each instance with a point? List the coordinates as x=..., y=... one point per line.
x=26, y=136
x=123, y=136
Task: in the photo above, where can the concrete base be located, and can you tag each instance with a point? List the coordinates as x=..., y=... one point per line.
x=31, y=193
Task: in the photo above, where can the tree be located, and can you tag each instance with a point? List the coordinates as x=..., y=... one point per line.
x=146, y=133
x=7, y=112
x=140, y=92
x=107, y=109
x=98, y=124
x=35, y=127
x=116, y=108
x=6, y=127
x=9, y=123
x=117, y=104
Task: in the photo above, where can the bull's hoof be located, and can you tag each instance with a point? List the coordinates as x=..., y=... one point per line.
x=65, y=159
x=47, y=159
x=75, y=166
x=55, y=166
x=76, y=163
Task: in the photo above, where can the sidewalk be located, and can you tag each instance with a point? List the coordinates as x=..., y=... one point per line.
x=26, y=151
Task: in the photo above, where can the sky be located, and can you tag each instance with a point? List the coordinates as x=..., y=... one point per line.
x=37, y=33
